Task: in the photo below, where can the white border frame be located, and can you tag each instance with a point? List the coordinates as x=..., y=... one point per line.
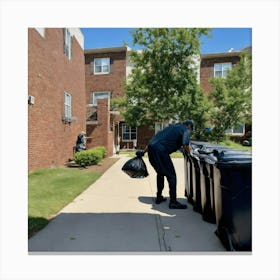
x=17, y=16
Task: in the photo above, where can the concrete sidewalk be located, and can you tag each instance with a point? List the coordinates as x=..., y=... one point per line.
x=117, y=214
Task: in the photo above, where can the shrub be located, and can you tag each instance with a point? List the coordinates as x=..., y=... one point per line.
x=88, y=157
x=102, y=150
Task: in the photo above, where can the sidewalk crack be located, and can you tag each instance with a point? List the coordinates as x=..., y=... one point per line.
x=161, y=235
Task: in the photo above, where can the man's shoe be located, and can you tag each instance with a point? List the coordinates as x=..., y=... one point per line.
x=160, y=199
x=177, y=205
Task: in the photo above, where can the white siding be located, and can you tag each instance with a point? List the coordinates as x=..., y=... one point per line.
x=41, y=31
x=78, y=35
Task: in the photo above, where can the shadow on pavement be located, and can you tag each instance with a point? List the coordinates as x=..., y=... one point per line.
x=162, y=207
x=123, y=232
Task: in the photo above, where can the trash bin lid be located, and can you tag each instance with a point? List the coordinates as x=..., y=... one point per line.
x=235, y=157
x=240, y=163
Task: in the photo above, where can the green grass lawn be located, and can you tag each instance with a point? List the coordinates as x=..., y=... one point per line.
x=49, y=190
x=226, y=143
x=130, y=153
x=234, y=145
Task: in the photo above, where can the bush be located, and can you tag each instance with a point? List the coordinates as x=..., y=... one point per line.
x=102, y=150
x=88, y=157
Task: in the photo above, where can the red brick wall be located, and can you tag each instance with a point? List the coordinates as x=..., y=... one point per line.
x=144, y=135
x=50, y=73
x=103, y=133
x=207, y=69
x=113, y=81
x=100, y=134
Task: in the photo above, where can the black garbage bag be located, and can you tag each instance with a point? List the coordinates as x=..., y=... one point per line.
x=135, y=168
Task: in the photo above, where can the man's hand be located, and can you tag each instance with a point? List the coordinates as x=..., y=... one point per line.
x=140, y=153
x=187, y=149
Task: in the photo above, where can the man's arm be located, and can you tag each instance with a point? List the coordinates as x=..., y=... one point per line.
x=186, y=141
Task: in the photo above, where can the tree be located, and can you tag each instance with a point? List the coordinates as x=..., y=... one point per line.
x=232, y=98
x=163, y=85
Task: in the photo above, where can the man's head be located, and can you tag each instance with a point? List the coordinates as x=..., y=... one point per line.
x=188, y=124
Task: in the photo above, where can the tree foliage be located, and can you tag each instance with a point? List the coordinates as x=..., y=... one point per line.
x=231, y=98
x=163, y=84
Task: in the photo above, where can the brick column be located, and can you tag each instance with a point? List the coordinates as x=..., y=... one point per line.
x=101, y=134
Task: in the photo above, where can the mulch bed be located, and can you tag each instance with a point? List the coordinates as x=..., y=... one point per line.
x=105, y=164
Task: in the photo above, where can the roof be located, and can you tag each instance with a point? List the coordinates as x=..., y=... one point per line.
x=107, y=50
x=247, y=49
x=227, y=54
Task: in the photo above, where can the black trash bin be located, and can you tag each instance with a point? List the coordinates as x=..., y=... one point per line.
x=198, y=191
x=196, y=176
x=233, y=201
x=207, y=189
x=189, y=174
x=213, y=153
x=188, y=178
x=204, y=181
x=196, y=182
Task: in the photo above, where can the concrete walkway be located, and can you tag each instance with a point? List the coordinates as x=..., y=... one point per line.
x=117, y=214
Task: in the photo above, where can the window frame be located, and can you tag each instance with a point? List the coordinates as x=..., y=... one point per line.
x=223, y=70
x=67, y=107
x=68, y=43
x=99, y=92
x=230, y=131
x=129, y=133
x=102, y=65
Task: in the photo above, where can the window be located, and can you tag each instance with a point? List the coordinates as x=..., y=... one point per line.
x=160, y=126
x=67, y=106
x=129, y=133
x=221, y=69
x=67, y=43
x=239, y=130
x=99, y=95
x=101, y=66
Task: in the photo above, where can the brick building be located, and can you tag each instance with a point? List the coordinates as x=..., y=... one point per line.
x=70, y=90
x=56, y=94
x=106, y=71
x=218, y=65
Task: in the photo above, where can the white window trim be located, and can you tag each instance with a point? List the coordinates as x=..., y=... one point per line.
x=68, y=43
x=102, y=72
x=100, y=92
x=67, y=113
x=128, y=140
x=222, y=69
x=236, y=133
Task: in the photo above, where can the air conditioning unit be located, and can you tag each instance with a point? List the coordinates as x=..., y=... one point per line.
x=69, y=119
x=31, y=100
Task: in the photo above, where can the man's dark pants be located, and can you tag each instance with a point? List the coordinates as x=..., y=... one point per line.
x=162, y=163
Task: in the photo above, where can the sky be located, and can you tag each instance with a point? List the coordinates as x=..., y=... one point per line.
x=222, y=39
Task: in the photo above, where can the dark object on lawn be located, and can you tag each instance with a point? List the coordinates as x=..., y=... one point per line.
x=247, y=142
x=135, y=168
